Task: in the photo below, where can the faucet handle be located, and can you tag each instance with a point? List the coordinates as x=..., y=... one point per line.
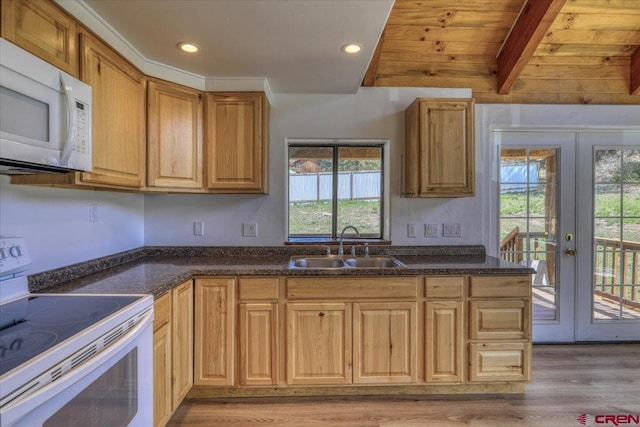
x=328, y=250
x=353, y=250
x=366, y=249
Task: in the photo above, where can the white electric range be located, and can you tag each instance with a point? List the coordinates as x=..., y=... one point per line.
x=71, y=359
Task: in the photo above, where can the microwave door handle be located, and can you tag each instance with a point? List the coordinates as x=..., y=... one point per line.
x=72, y=122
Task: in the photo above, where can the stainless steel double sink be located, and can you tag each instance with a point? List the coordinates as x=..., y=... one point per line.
x=335, y=262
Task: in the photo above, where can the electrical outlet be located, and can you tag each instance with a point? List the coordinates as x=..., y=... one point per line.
x=451, y=230
x=412, y=231
x=93, y=213
x=249, y=229
x=431, y=230
x=198, y=228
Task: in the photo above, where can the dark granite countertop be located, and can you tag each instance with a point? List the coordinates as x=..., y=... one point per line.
x=157, y=270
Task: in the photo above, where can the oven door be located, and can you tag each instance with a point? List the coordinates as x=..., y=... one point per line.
x=115, y=388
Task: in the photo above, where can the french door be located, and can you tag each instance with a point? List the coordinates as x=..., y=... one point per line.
x=569, y=207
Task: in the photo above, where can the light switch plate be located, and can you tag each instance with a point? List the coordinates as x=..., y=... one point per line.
x=412, y=231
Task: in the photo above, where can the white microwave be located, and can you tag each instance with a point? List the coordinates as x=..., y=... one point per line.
x=45, y=116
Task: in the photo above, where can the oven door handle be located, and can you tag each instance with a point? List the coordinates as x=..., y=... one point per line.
x=14, y=410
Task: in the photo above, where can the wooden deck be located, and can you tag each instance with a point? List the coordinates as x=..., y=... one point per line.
x=544, y=307
x=568, y=381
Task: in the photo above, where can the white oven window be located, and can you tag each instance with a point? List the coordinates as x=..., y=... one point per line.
x=109, y=401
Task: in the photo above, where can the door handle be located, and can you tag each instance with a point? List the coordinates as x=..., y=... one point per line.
x=570, y=252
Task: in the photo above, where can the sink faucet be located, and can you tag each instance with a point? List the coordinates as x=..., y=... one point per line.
x=341, y=250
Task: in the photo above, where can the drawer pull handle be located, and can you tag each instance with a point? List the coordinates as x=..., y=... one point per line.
x=321, y=314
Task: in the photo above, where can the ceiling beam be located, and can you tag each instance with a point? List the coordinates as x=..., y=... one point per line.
x=634, y=82
x=527, y=32
x=372, y=71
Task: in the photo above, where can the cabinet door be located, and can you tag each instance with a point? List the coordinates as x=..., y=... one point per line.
x=236, y=132
x=182, y=340
x=318, y=343
x=444, y=341
x=384, y=342
x=258, y=343
x=174, y=130
x=440, y=148
x=214, y=332
x=41, y=28
x=162, y=360
x=118, y=118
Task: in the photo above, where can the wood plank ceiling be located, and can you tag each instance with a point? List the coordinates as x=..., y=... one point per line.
x=514, y=51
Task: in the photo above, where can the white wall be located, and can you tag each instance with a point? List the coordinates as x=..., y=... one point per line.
x=376, y=113
x=55, y=223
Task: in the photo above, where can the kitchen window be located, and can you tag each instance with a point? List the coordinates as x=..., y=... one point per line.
x=333, y=184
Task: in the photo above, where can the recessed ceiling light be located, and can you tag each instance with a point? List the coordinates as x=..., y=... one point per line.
x=351, y=48
x=188, y=47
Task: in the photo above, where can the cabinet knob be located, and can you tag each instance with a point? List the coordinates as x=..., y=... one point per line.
x=321, y=314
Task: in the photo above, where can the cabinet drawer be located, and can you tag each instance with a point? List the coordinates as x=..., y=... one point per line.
x=162, y=311
x=490, y=320
x=500, y=362
x=444, y=287
x=497, y=286
x=258, y=288
x=352, y=288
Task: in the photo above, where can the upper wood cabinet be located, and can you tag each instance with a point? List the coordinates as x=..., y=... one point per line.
x=118, y=104
x=439, y=154
x=237, y=136
x=40, y=27
x=174, y=132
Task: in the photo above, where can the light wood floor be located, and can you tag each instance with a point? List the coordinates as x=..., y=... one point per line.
x=568, y=381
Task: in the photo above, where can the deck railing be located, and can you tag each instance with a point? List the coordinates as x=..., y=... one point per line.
x=616, y=264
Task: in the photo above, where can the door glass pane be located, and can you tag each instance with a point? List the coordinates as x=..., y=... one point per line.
x=616, y=239
x=360, y=190
x=528, y=221
x=310, y=191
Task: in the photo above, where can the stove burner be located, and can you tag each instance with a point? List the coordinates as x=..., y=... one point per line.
x=88, y=312
x=19, y=345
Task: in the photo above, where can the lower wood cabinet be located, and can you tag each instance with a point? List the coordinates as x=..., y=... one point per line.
x=182, y=342
x=384, y=342
x=500, y=362
x=258, y=343
x=499, y=328
x=215, y=332
x=162, y=393
x=319, y=343
x=172, y=351
x=444, y=341
x=279, y=333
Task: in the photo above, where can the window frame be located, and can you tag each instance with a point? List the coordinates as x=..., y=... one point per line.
x=335, y=144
